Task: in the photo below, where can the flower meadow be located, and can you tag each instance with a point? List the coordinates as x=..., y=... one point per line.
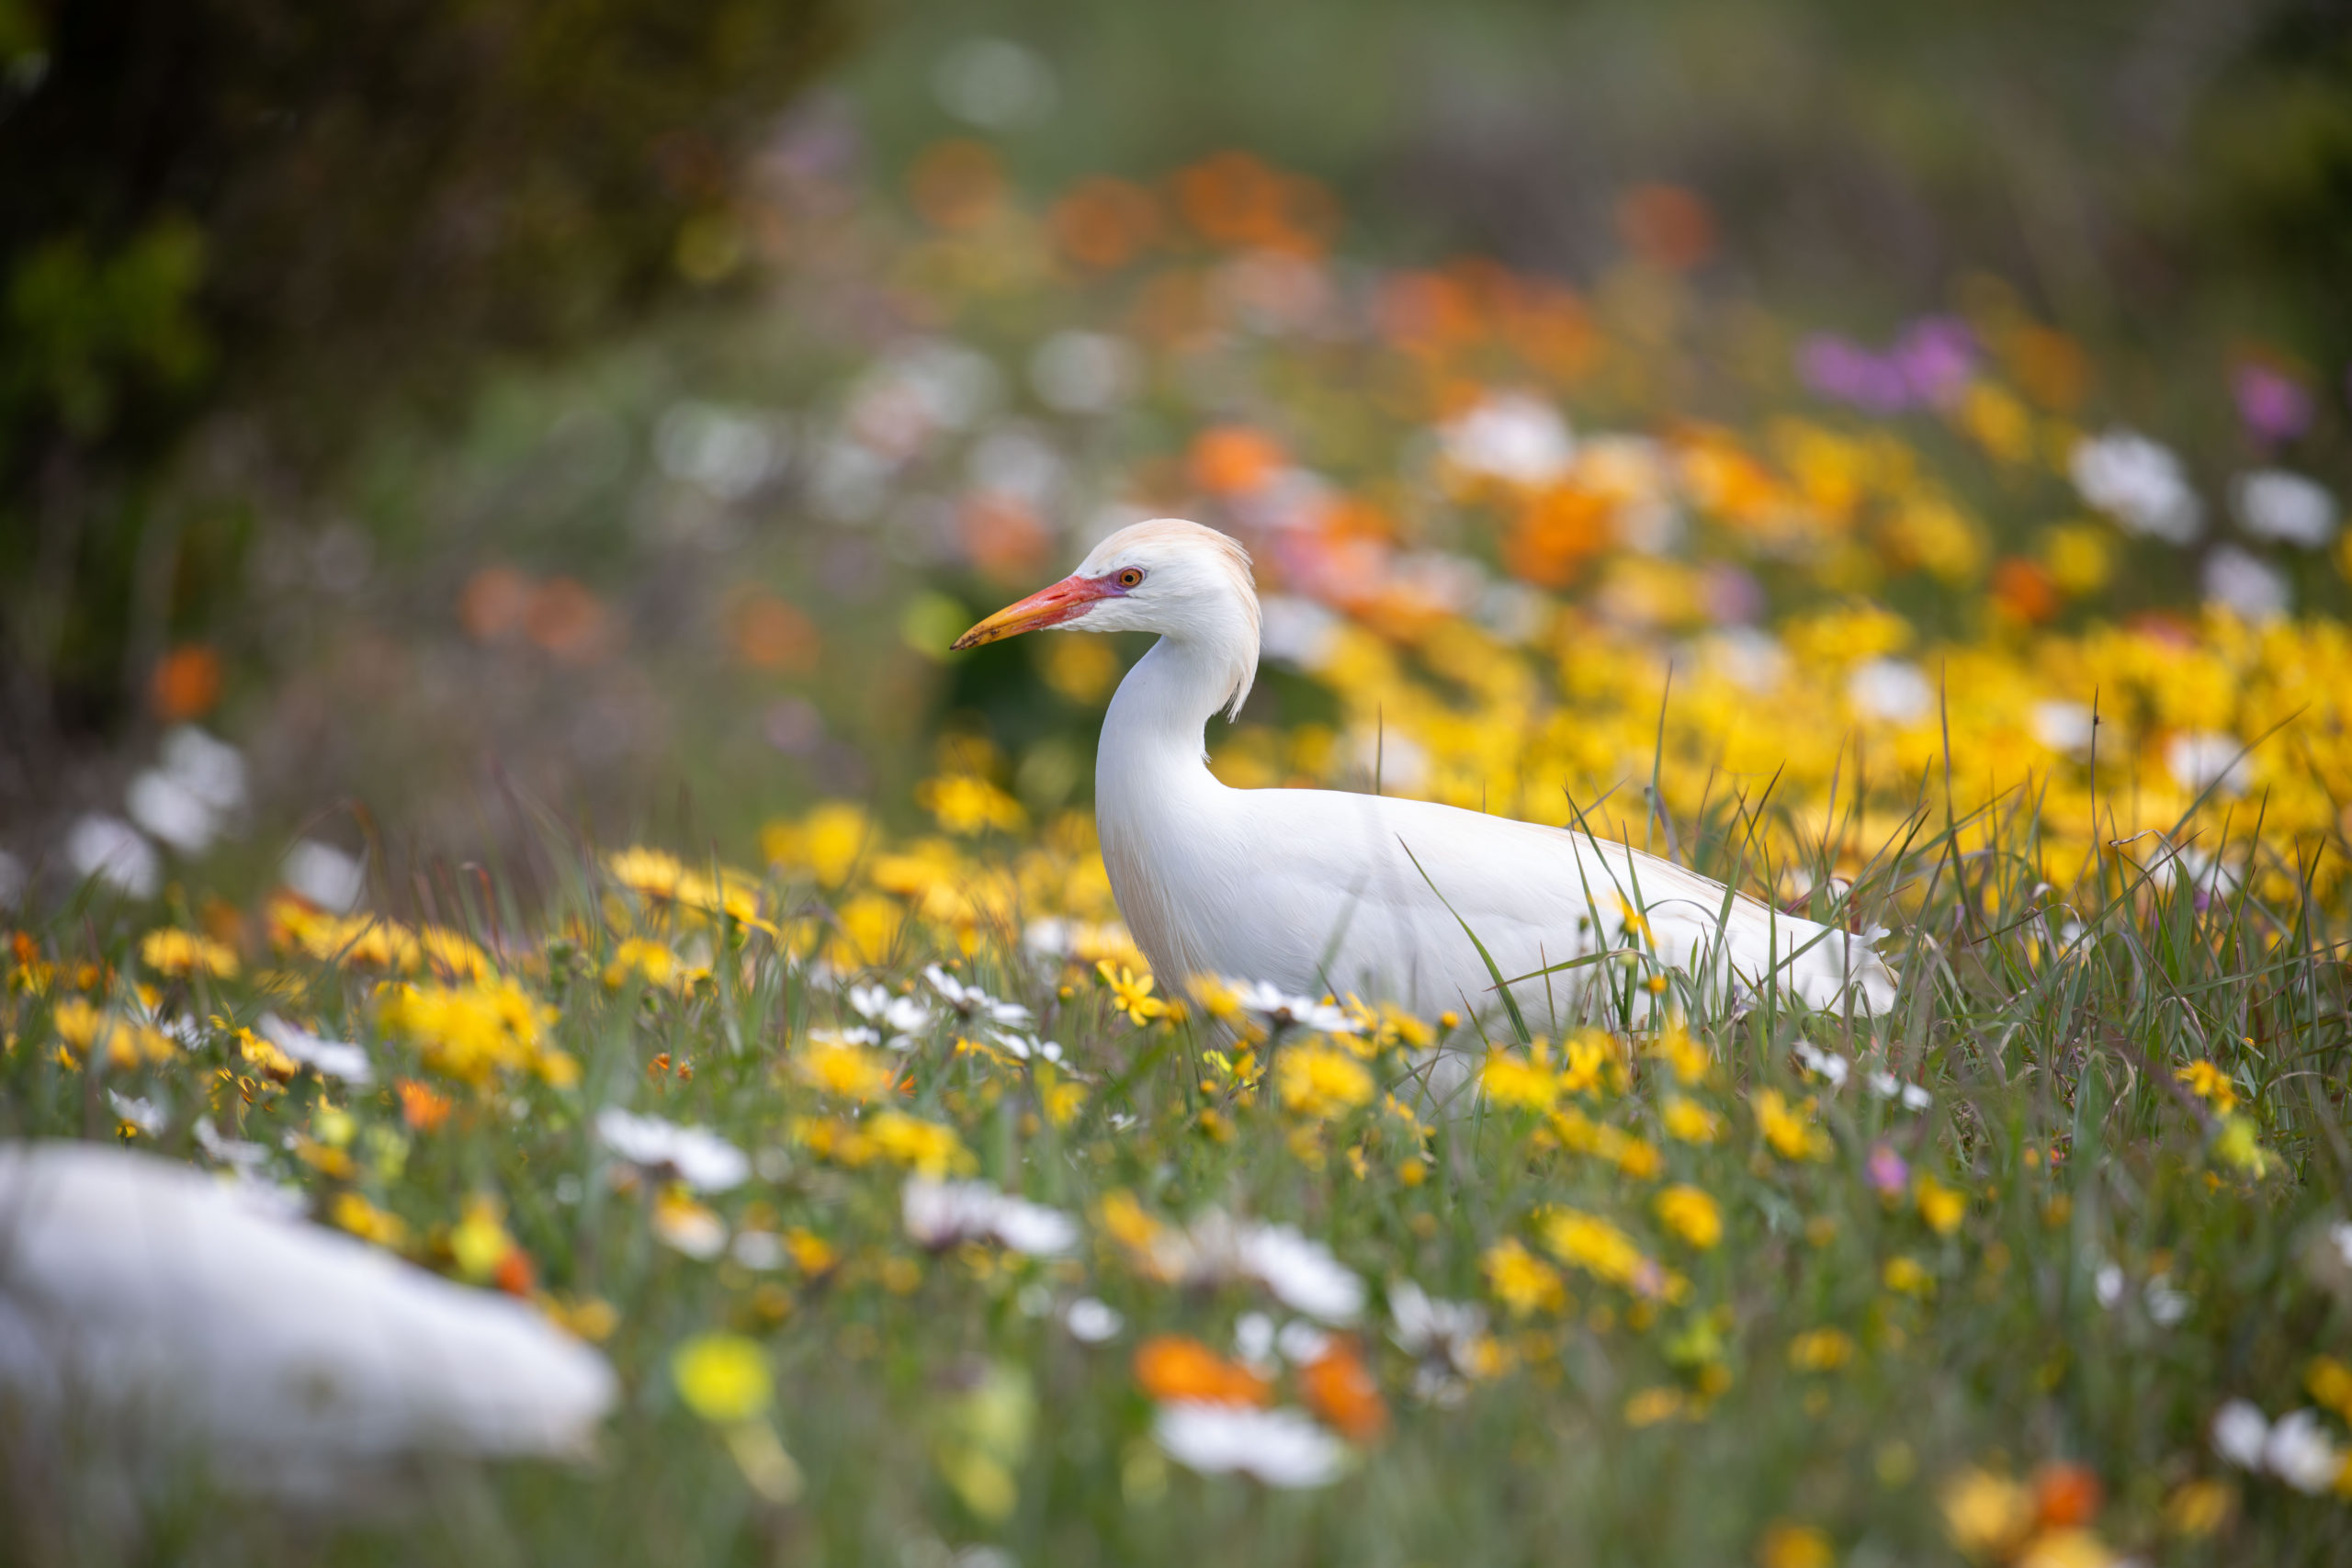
x=923, y=1224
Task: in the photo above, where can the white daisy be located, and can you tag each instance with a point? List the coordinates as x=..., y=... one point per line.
x=1283, y=1448
x=330, y=1058
x=939, y=1215
x=971, y=1002
x=701, y=1159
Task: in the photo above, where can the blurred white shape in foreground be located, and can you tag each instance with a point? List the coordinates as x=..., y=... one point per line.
x=151, y=1312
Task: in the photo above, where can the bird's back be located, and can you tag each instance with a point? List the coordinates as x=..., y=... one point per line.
x=1317, y=889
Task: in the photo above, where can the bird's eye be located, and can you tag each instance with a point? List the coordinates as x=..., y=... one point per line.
x=1130, y=576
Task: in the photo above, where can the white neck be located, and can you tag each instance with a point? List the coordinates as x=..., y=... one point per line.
x=1155, y=800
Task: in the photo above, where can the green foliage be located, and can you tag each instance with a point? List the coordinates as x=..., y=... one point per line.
x=278, y=219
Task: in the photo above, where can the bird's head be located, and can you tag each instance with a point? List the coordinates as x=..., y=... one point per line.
x=1168, y=576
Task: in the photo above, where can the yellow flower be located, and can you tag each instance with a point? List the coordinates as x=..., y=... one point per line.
x=849, y=1072
x=924, y=1147
x=1787, y=1545
x=2236, y=1145
x=472, y=1031
x=1821, y=1350
x=2065, y=1549
x=1986, y=1515
x=368, y=1222
x=1596, y=1062
x=828, y=841
x=89, y=1032
x=1321, y=1081
x=1943, y=1207
x=723, y=1377
x=1652, y=1405
x=1690, y=1213
x=1790, y=1132
x=1131, y=993
x=1514, y=1080
x=2209, y=1084
x=182, y=953
x=966, y=804
x=1690, y=1122
x=479, y=1242
x=2199, y=1508
x=1061, y=1098
x=650, y=960
x=1907, y=1276
x=1600, y=1249
x=1579, y=1133
x=663, y=879
x=1522, y=1281
x=1691, y=1061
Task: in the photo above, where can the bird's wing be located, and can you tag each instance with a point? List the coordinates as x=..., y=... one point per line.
x=1379, y=887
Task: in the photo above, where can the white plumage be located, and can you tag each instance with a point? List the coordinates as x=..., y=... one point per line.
x=1316, y=890
x=160, y=1318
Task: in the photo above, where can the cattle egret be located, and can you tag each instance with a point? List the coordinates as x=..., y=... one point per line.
x=1320, y=891
x=163, y=1317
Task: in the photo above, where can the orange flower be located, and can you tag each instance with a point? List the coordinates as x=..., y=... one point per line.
x=1234, y=460
x=1339, y=1388
x=421, y=1107
x=515, y=1274
x=1171, y=1366
x=2066, y=1495
x=187, y=684
x=1667, y=226
x=1104, y=223
x=958, y=184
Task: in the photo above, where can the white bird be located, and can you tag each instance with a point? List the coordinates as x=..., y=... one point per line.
x=162, y=1318
x=1317, y=890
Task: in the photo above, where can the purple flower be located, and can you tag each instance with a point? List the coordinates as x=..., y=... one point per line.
x=1930, y=365
x=2273, y=407
x=1887, y=1171
x=1937, y=356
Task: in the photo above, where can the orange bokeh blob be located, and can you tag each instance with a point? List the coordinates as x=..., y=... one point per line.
x=2066, y=1497
x=1169, y=1366
x=1667, y=226
x=1426, y=312
x=771, y=634
x=1234, y=460
x=1338, y=1387
x=567, y=620
x=1548, y=325
x=2024, y=590
x=2049, y=366
x=1005, y=539
x=958, y=184
x=495, y=603
x=187, y=684
x=1555, y=533
x=422, y=1107
x=1233, y=198
x=1103, y=224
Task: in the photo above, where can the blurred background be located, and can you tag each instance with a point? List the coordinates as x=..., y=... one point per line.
x=424, y=425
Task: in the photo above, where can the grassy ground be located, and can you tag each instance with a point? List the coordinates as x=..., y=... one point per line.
x=1725, y=1298
x=1971, y=1279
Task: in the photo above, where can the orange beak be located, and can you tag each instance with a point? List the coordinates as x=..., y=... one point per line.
x=1063, y=603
